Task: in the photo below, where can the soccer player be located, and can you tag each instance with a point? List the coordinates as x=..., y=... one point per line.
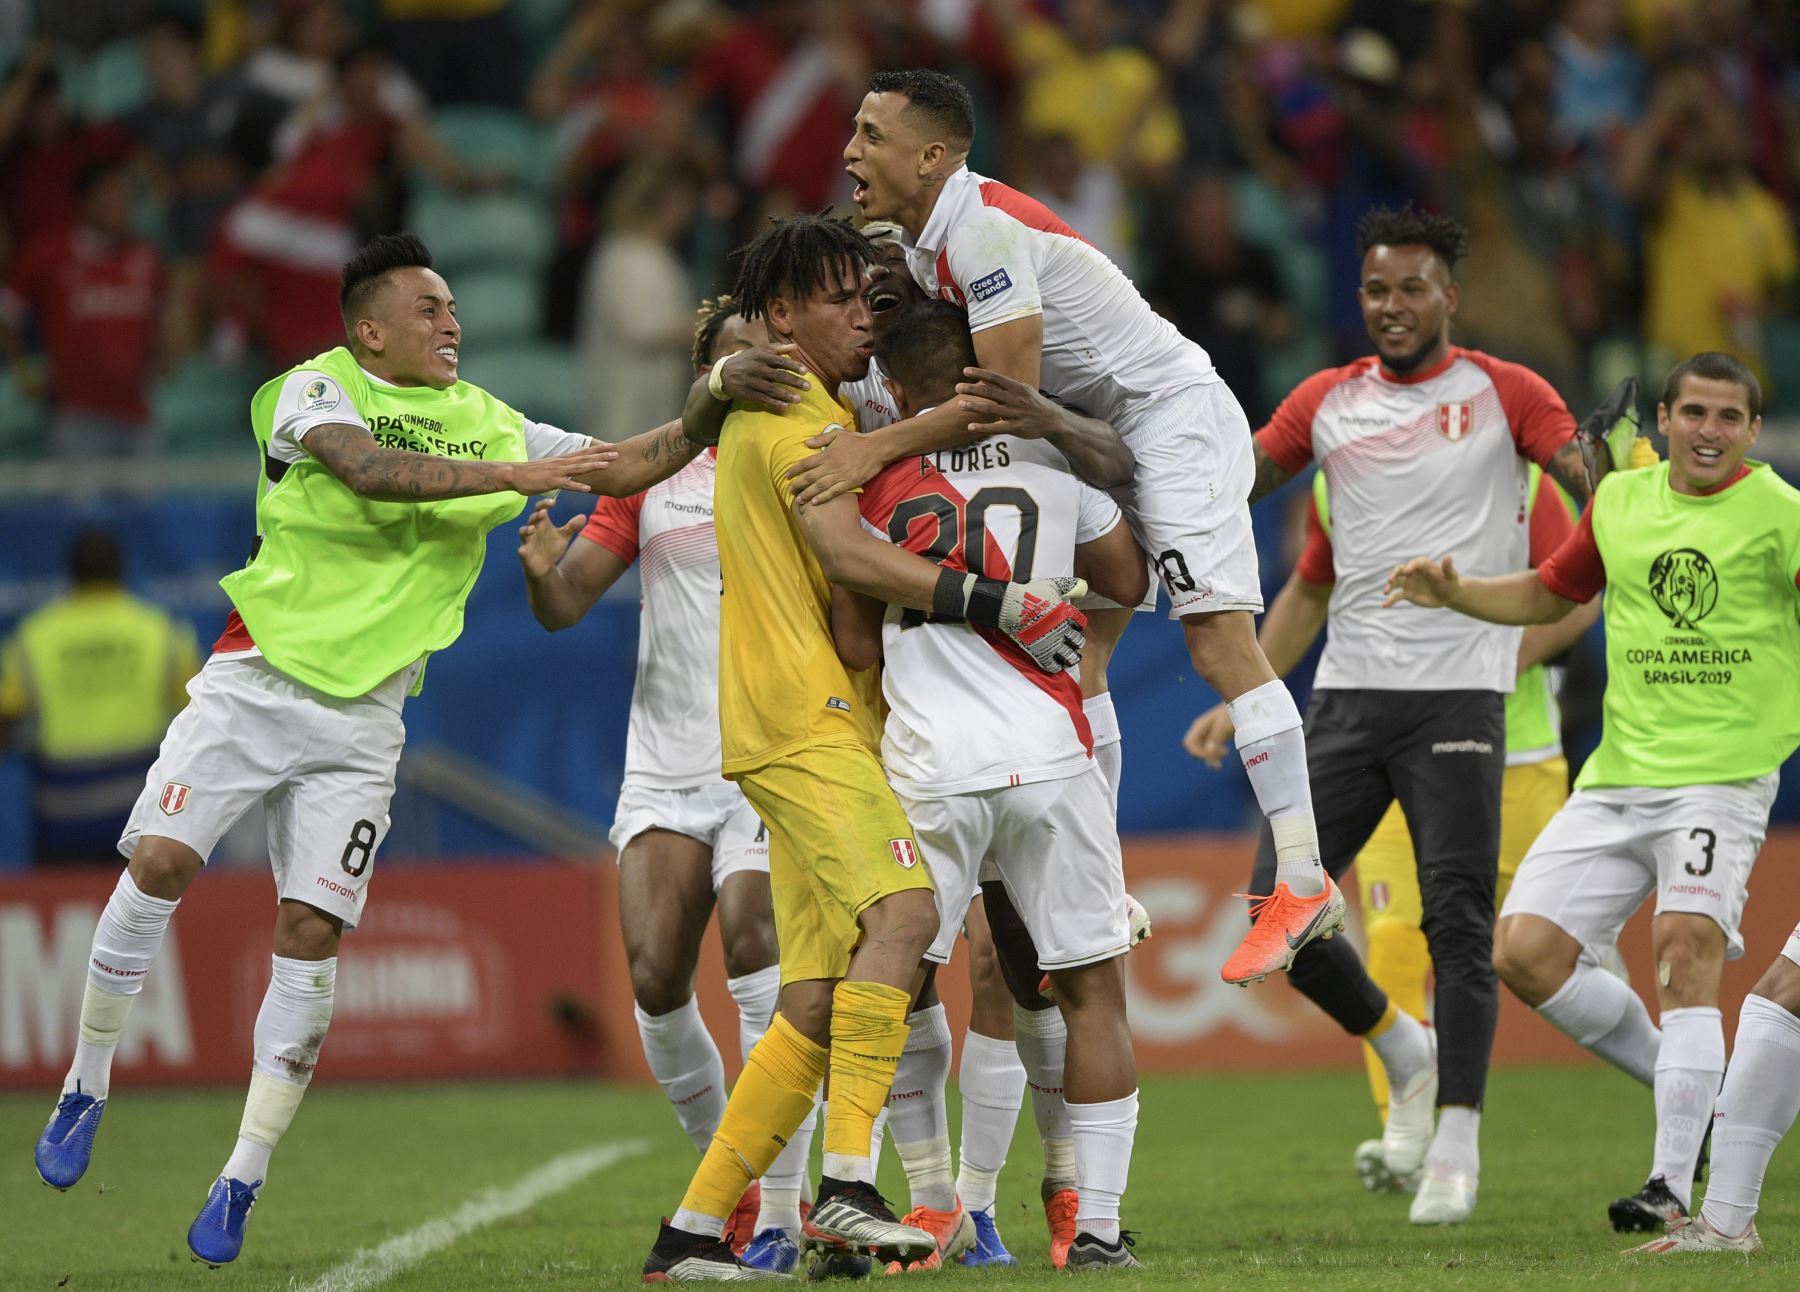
x=1421, y=441
x=1535, y=783
x=1756, y=1108
x=688, y=841
x=1700, y=558
x=854, y=912
x=382, y=473
x=992, y=760
x=1049, y=310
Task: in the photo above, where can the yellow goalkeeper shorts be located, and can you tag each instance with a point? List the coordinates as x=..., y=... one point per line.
x=838, y=843
x=1387, y=873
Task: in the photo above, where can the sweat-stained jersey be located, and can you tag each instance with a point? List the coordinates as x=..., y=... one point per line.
x=967, y=709
x=782, y=687
x=673, y=739
x=1435, y=462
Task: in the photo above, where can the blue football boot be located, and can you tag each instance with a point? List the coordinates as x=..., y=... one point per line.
x=67, y=1143
x=773, y=1250
x=217, y=1234
x=988, y=1249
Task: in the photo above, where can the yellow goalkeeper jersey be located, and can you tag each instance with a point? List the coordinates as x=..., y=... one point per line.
x=781, y=685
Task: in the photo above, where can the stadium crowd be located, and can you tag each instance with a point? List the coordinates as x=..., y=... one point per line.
x=181, y=179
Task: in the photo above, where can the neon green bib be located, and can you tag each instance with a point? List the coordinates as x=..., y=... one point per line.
x=343, y=592
x=1702, y=642
x=1533, y=718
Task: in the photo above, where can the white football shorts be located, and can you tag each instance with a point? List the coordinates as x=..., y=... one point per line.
x=1608, y=849
x=717, y=814
x=323, y=767
x=1792, y=949
x=1188, y=503
x=1055, y=847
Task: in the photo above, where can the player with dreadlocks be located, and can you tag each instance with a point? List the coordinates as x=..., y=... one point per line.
x=800, y=734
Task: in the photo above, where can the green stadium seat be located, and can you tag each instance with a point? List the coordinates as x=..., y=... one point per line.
x=113, y=82
x=493, y=230
x=203, y=407
x=22, y=421
x=497, y=306
x=1782, y=340
x=502, y=140
x=542, y=380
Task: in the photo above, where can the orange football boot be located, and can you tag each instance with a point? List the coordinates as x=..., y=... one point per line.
x=1280, y=925
x=1059, y=1214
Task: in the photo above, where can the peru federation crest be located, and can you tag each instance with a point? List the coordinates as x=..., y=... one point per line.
x=174, y=797
x=1455, y=421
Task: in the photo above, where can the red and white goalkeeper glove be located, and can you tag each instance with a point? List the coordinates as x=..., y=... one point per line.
x=1036, y=615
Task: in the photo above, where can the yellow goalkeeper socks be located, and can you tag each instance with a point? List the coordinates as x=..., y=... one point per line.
x=1399, y=961
x=772, y=1097
x=868, y=1032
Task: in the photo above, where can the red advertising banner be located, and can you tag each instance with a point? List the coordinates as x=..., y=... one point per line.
x=516, y=968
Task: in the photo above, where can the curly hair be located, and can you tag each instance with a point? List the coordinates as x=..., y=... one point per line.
x=797, y=256
x=1411, y=227
x=709, y=321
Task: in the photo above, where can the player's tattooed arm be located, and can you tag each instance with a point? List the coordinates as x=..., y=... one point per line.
x=766, y=375
x=1270, y=474
x=1569, y=469
x=1516, y=598
x=854, y=460
x=399, y=475
x=645, y=460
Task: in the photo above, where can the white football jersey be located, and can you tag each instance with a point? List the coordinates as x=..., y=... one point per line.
x=673, y=741
x=870, y=400
x=967, y=709
x=1002, y=256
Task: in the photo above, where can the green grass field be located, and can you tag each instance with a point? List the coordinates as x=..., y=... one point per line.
x=1228, y=1185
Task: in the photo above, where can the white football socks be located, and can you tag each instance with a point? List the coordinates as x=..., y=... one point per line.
x=1109, y=742
x=1404, y=1049
x=1043, y=1043
x=785, y=1182
x=1601, y=1013
x=1689, y=1067
x=1457, y=1143
x=756, y=995
x=1270, y=742
x=686, y=1064
x=1103, y=1136
x=290, y=1030
x=1756, y=1109
x=131, y=929
x=992, y=1082
x=917, y=1115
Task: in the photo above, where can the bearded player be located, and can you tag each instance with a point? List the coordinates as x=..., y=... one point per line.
x=1700, y=559
x=382, y=473
x=1049, y=310
x=854, y=911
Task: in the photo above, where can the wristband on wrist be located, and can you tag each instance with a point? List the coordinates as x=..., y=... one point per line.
x=715, y=380
x=967, y=596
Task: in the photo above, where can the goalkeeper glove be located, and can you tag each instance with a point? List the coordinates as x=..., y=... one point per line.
x=1606, y=434
x=1036, y=615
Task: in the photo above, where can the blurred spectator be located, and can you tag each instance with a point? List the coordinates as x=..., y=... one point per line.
x=637, y=319
x=1088, y=197
x=790, y=74
x=1599, y=77
x=1222, y=292
x=1194, y=44
x=459, y=51
x=1719, y=254
x=335, y=181
x=94, y=293
x=44, y=149
x=1078, y=79
x=88, y=684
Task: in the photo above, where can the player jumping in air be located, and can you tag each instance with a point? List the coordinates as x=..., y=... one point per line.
x=1699, y=557
x=1049, y=310
x=854, y=911
x=1421, y=441
x=382, y=474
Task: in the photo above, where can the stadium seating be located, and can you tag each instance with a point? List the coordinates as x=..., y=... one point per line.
x=203, y=407
x=109, y=83
x=496, y=306
x=21, y=420
x=499, y=139
x=540, y=379
x=501, y=231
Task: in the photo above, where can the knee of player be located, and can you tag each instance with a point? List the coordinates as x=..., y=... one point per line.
x=658, y=985
x=162, y=867
x=749, y=947
x=1690, y=953
x=304, y=932
x=908, y=919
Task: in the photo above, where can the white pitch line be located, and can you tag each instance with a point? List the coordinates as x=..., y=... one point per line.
x=374, y=1265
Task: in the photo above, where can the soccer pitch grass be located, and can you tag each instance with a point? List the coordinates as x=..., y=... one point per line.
x=1241, y=1181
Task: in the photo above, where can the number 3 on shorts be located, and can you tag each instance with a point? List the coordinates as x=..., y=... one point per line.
x=362, y=846
x=1706, y=850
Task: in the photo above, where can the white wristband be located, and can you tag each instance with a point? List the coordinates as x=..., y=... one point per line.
x=715, y=380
